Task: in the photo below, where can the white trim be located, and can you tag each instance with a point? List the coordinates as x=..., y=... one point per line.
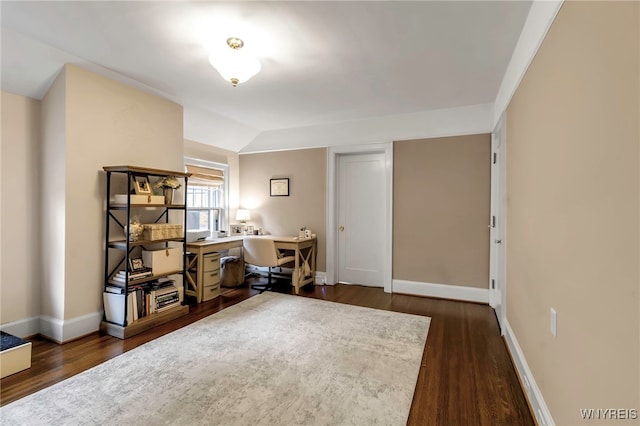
x=443, y=291
x=321, y=278
x=541, y=16
x=22, y=328
x=331, y=249
x=64, y=330
x=532, y=391
x=52, y=328
x=225, y=185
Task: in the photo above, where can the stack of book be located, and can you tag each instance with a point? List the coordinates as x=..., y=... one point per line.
x=120, y=277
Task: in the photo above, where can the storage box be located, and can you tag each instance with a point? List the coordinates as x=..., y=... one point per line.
x=15, y=354
x=197, y=235
x=159, y=231
x=163, y=260
x=138, y=199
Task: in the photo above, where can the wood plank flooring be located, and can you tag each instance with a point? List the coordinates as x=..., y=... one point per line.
x=466, y=376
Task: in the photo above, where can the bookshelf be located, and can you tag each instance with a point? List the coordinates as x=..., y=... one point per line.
x=140, y=294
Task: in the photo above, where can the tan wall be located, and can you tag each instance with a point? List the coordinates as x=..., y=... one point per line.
x=20, y=171
x=107, y=123
x=52, y=190
x=572, y=210
x=441, y=197
x=306, y=205
x=218, y=155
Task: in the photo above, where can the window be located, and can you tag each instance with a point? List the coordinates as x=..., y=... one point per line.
x=206, y=198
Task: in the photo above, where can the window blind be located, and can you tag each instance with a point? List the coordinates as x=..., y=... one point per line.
x=205, y=176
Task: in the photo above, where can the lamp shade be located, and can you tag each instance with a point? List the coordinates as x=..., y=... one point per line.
x=243, y=215
x=235, y=66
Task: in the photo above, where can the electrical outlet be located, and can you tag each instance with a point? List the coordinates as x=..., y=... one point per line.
x=554, y=322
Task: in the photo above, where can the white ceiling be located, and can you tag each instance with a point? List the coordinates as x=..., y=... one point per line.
x=323, y=62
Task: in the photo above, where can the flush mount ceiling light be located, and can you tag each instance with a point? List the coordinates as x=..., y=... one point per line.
x=235, y=65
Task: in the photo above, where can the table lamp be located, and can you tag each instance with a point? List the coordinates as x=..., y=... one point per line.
x=243, y=216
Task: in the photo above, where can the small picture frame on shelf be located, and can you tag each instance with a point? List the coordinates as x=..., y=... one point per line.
x=249, y=230
x=141, y=185
x=237, y=229
x=136, y=264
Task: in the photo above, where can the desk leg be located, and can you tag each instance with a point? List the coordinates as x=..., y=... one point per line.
x=295, y=277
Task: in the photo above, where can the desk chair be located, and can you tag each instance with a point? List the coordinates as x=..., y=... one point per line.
x=262, y=252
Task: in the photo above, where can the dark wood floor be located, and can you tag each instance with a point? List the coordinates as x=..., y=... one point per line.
x=466, y=376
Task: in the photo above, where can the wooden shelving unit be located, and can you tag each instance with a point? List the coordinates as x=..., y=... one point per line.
x=118, y=252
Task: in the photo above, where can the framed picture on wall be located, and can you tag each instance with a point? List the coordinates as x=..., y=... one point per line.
x=141, y=185
x=280, y=187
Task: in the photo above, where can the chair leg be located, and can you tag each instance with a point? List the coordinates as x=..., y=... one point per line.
x=264, y=287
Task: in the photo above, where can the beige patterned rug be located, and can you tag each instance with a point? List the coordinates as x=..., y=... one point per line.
x=273, y=359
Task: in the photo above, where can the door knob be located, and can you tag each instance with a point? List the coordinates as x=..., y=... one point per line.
x=341, y=228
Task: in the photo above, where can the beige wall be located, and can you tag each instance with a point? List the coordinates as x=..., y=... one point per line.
x=572, y=210
x=206, y=152
x=108, y=123
x=20, y=171
x=53, y=229
x=441, y=198
x=306, y=205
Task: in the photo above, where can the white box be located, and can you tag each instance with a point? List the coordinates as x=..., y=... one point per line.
x=163, y=260
x=138, y=199
x=197, y=235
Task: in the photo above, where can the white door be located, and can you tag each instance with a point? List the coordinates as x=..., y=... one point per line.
x=497, y=225
x=361, y=213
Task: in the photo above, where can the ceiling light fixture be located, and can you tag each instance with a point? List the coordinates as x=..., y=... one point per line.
x=235, y=65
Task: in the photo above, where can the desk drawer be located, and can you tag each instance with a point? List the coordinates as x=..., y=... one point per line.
x=210, y=292
x=210, y=278
x=211, y=262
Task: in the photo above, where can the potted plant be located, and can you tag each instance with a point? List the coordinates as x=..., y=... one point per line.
x=168, y=185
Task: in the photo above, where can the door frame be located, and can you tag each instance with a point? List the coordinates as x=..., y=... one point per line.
x=332, y=207
x=498, y=252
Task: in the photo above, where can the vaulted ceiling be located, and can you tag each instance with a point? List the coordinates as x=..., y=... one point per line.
x=325, y=64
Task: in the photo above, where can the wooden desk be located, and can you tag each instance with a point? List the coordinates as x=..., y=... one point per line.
x=304, y=270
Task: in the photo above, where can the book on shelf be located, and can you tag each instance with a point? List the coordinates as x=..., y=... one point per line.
x=114, y=289
x=120, y=277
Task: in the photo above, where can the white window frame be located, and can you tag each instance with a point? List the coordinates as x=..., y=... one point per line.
x=224, y=217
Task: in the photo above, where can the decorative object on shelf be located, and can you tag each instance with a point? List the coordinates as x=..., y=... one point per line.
x=235, y=65
x=135, y=230
x=279, y=187
x=141, y=185
x=168, y=185
x=136, y=264
x=248, y=230
x=159, y=231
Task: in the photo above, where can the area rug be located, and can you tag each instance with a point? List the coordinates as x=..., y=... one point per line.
x=273, y=359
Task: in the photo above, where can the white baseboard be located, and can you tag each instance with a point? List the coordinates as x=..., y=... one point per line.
x=52, y=328
x=321, y=278
x=541, y=411
x=454, y=292
x=64, y=330
x=22, y=328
